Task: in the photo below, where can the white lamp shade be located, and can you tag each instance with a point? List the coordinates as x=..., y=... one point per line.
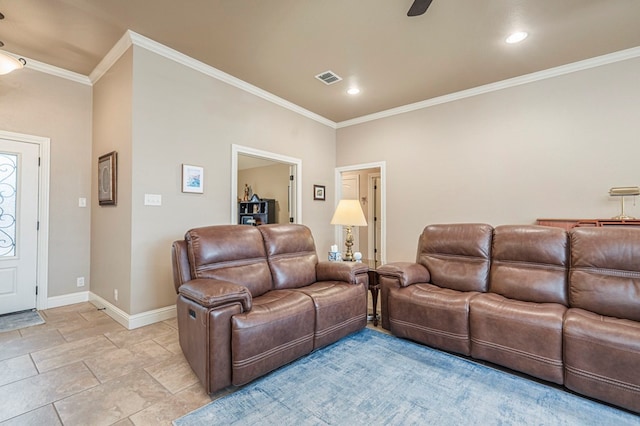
x=349, y=213
x=9, y=63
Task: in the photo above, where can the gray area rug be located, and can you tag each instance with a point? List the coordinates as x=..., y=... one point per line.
x=19, y=320
x=371, y=378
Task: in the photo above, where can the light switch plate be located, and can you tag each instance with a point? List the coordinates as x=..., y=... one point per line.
x=152, y=199
x=82, y=202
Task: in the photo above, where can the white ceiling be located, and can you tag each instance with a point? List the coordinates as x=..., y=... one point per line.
x=280, y=45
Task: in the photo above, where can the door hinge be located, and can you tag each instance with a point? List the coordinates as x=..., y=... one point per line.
x=37, y=225
x=36, y=290
x=38, y=161
x=290, y=177
x=290, y=220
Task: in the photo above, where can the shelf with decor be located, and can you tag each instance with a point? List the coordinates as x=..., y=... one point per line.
x=257, y=212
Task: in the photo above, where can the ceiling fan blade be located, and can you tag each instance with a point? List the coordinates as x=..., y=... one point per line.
x=419, y=7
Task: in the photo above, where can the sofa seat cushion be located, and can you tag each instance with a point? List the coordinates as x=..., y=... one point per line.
x=341, y=309
x=523, y=336
x=601, y=356
x=438, y=317
x=277, y=330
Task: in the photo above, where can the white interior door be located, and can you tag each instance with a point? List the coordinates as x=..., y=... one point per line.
x=18, y=225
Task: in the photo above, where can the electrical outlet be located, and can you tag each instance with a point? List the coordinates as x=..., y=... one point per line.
x=80, y=281
x=115, y=294
x=82, y=202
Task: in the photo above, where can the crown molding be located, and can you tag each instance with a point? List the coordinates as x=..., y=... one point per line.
x=188, y=61
x=586, y=64
x=111, y=57
x=131, y=38
x=32, y=64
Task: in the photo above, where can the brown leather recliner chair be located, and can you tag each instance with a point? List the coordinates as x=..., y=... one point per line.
x=251, y=299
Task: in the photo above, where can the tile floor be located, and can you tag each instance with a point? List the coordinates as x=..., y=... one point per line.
x=83, y=368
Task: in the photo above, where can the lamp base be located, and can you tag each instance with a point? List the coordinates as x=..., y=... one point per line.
x=623, y=217
x=348, y=255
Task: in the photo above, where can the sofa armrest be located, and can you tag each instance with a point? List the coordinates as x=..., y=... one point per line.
x=340, y=271
x=212, y=293
x=180, y=263
x=406, y=273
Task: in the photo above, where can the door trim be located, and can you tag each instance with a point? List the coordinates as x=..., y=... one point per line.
x=239, y=149
x=43, y=211
x=382, y=165
x=371, y=207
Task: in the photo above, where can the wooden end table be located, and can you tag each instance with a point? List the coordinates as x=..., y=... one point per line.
x=374, y=288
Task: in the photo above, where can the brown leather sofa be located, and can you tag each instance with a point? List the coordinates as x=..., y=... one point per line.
x=251, y=299
x=561, y=307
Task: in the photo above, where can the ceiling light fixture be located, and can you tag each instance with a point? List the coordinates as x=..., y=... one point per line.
x=9, y=63
x=516, y=37
x=353, y=91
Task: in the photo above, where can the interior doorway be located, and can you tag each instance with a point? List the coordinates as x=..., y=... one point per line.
x=267, y=175
x=367, y=183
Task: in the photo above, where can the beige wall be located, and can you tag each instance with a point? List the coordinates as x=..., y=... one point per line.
x=40, y=104
x=111, y=225
x=552, y=148
x=270, y=182
x=181, y=116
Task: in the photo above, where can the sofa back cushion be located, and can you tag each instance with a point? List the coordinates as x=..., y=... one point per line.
x=530, y=263
x=291, y=253
x=233, y=253
x=604, y=276
x=457, y=255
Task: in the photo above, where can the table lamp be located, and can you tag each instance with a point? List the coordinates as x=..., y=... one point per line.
x=624, y=191
x=349, y=213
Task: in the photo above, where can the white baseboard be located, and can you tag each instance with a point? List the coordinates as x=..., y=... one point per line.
x=67, y=299
x=123, y=318
x=136, y=320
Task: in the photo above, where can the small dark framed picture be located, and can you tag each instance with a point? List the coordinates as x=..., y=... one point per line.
x=319, y=192
x=108, y=179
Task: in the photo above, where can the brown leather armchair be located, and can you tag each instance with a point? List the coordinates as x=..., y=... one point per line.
x=251, y=299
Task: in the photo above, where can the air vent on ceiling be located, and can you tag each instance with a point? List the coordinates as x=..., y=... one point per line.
x=328, y=77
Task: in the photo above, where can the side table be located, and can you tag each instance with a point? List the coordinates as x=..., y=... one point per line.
x=374, y=288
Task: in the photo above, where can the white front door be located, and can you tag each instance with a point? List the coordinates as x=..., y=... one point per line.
x=18, y=225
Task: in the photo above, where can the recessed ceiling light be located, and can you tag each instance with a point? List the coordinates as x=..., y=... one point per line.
x=353, y=91
x=516, y=37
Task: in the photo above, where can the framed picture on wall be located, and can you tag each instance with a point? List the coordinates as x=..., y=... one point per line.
x=108, y=179
x=319, y=192
x=192, y=179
